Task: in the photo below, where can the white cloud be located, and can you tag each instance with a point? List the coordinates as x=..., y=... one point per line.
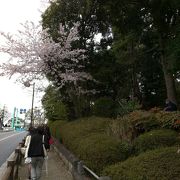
x=12, y=13
x=12, y=95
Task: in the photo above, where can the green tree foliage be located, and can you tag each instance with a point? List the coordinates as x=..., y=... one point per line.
x=53, y=106
x=137, y=55
x=135, y=19
x=104, y=107
x=108, y=74
x=88, y=13
x=152, y=86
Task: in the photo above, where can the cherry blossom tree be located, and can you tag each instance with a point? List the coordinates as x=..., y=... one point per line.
x=34, y=55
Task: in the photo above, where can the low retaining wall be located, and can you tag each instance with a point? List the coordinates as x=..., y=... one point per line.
x=9, y=170
x=70, y=161
x=73, y=164
x=3, y=167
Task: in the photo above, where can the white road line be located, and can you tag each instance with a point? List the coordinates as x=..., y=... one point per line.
x=10, y=136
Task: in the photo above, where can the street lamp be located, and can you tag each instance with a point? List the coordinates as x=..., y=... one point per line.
x=27, y=84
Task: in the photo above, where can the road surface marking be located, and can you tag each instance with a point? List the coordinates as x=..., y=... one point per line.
x=10, y=136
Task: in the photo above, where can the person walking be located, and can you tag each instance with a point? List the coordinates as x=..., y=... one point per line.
x=37, y=152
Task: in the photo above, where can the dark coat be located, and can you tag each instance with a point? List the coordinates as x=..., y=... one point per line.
x=170, y=106
x=36, y=145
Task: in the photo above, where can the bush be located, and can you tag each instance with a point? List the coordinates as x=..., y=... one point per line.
x=155, y=139
x=160, y=164
x=130, y=126
x=104, y=107
x=144, y=120
x=99, y=150
x=86, y=138
x=125, y=107
x=122, y=129
x=81, y=128
x=170, y=120
x=55, y=128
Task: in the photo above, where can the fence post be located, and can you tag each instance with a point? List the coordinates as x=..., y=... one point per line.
x=11, y=164
x=80, y=168
x=19, y=156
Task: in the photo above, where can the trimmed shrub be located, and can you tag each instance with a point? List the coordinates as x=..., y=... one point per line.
x=169, y=120
x=104, y=107
x=130, y=126
x=143, y=121
x=160, y=164
x=155, y=139
x=99, y=150
x=81, y=128
x=122, y=129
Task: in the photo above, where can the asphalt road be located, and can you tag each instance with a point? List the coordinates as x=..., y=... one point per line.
x=8, y=143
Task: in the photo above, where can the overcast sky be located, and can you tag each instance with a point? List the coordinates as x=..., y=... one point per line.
x=12, y=13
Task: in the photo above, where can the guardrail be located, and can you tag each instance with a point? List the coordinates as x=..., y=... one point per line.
x=84, y=170
x=13, y=162
x=95, y=175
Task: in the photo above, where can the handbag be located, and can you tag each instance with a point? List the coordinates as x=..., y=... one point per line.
x=51, y=141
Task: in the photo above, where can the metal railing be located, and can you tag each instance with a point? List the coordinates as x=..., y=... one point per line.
x=81, y=168
x=91, y=172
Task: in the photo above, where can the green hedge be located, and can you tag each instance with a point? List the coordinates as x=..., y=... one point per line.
x=155, y=139
x=99, y=150
x=88, y=140
x=73, y=131
x=160, y=164
x=55, y=127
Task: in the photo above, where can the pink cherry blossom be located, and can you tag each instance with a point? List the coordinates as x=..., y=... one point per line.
x=33, y=54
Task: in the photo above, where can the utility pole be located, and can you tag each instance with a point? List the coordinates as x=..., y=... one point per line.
x=32, y=106
x=27, y=84
x=13, y=118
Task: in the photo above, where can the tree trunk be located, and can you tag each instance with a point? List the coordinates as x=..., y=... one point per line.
x=168, y=76
x=169, y=81
x=135, y=84
x=136, y=90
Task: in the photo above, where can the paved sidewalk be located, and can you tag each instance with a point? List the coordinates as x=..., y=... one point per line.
x=56, y=169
